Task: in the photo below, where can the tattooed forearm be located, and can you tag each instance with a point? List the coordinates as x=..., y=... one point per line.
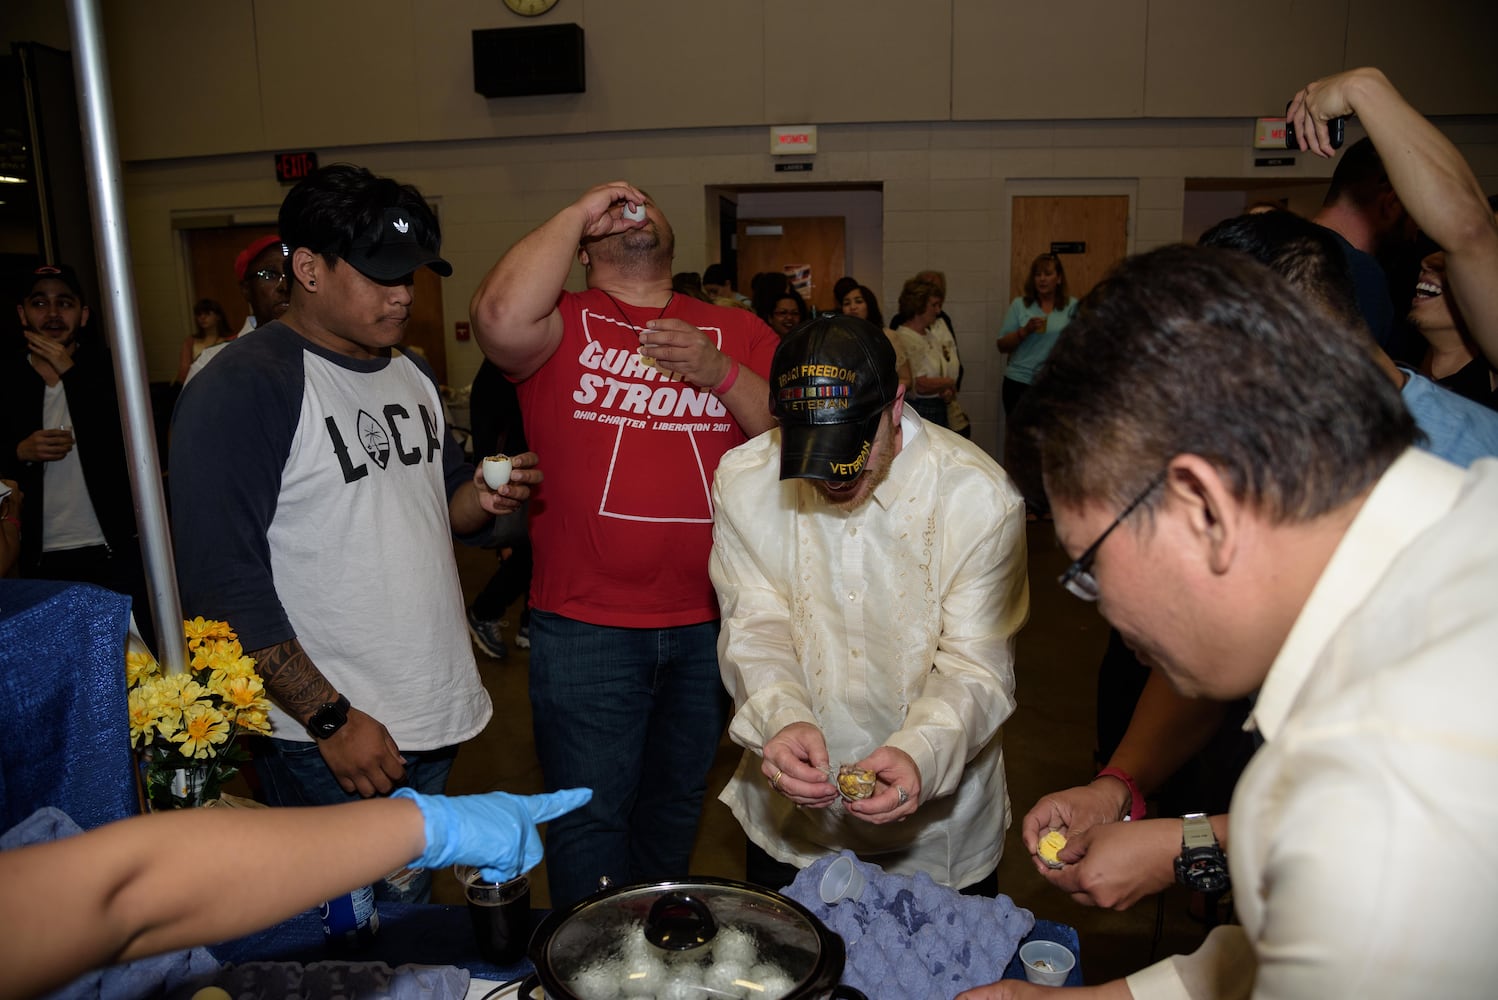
x=292, y=679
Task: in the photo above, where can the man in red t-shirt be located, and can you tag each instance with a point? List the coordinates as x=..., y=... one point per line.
x=632, y=394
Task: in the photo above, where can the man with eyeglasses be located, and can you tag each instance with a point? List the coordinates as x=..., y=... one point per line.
x=260, y=268
x=872, y=575
x=60, y=440
x=1238, y=481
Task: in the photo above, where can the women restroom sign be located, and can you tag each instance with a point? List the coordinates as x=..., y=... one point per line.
x=793, y=140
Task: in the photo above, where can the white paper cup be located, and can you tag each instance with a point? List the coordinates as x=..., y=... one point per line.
x=1046, y=962
x=842, y=880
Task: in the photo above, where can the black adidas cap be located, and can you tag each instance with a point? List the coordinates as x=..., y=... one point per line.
x=392, y=251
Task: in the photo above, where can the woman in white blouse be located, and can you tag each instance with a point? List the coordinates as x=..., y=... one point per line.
x=933, y=358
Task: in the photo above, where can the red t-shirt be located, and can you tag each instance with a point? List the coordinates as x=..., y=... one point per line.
x=623, y=523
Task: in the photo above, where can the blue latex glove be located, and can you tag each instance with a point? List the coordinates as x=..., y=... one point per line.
x=494, y=832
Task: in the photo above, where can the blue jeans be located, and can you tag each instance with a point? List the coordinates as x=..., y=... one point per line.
x=635, y=715
x=293, y=773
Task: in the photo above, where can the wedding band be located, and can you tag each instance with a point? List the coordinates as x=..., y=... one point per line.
x=775, y=781
x=904, y=795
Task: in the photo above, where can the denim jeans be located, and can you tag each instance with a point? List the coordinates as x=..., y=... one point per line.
x=635, y=715
x=293, y=773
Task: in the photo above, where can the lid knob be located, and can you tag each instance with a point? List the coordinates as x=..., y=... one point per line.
x=679, y=921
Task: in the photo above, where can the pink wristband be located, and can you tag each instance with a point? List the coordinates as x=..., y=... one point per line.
x=1136, y=797
x=728, y=381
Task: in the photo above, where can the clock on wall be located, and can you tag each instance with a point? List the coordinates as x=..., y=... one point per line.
x=530, y=8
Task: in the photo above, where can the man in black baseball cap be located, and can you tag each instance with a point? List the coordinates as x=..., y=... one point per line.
x=870, y=568
x=61, y=442
x=831, y=384
x=316, y=491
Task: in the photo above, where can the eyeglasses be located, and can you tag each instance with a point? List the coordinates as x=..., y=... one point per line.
x=1078, y=577
x=268, y=275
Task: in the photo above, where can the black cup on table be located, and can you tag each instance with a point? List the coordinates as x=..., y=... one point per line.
x=501, y=915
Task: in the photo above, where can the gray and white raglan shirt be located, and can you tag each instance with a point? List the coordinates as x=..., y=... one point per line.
x=310, y=500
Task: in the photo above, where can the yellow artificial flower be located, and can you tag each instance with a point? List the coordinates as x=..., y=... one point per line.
x=138, y=666
x=203, y=727
x=187, y=691
x=143, y=718
x=227, y=668
x=200, y=629
x=216, y=651
x=161, y=695
x=254, y=720
x=239, y=694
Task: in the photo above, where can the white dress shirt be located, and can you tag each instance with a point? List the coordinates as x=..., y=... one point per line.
x=1362, y=845
x=891, y=624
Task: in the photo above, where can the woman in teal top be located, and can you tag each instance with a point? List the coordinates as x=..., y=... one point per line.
x=1033, y=323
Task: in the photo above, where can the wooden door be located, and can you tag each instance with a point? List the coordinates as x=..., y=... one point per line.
x=210, y=258
x=1101, y=222
x=211, y=254
x=425, y=328
x=815, y=242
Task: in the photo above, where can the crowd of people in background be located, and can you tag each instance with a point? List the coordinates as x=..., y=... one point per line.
x=737, y=513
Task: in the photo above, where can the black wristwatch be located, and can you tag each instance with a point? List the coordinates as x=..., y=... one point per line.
x=328, y=719
x=1202, y=865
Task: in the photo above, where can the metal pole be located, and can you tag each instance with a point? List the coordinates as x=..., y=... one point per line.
x=123, y=324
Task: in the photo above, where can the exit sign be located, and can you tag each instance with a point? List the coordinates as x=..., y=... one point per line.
x=292, y=167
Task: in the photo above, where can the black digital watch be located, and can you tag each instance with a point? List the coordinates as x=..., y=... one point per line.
x=328, y=719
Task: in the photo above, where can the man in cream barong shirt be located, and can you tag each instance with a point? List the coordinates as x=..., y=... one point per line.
x=1236, y=479
x=871, y=574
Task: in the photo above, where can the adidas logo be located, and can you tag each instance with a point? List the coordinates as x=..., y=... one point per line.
x=402, y=226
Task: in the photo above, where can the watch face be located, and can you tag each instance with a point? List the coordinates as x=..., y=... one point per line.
x=328, y=719
x=1203, y=869
x=530, y=8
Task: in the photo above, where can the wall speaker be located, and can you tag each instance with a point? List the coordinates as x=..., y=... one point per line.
x=521, y=62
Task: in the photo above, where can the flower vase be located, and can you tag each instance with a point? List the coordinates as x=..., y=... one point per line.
x=178, y=784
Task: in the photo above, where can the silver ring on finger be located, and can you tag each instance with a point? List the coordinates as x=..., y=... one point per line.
x=904, y=795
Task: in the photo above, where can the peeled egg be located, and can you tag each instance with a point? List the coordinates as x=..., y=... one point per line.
x=726, y=979
x=734, y=945
x=643, y=978
x=598, y=982
x=497, y=470
x=772, y=981
x=1050, y=845
x=634, y=214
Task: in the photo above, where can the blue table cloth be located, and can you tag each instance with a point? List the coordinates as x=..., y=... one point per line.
x=64, y=725
x=442, y=935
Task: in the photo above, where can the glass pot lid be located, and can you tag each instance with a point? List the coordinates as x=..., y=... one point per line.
x=697, y=938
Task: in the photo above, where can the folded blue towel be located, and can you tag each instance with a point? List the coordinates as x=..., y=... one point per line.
x=910, y=938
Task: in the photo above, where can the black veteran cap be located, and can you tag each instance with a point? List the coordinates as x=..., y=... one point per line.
x=830, y=381
x=392, y=251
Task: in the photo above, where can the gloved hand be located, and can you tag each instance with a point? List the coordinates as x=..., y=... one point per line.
x=494, y=832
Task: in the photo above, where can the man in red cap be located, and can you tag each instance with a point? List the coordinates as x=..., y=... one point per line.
x=260, y=268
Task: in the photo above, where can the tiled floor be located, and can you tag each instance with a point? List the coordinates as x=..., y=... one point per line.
x=1048, y=745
